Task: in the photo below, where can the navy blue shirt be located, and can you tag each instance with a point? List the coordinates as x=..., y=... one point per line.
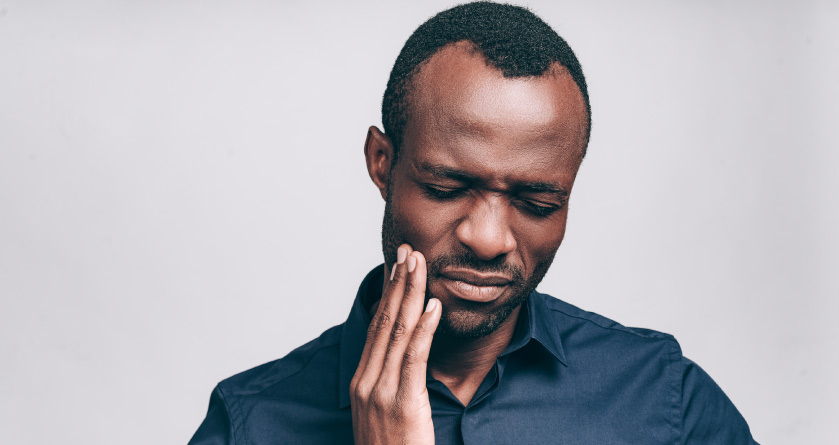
x=568, y=376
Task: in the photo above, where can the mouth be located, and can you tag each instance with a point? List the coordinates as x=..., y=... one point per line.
x=474, y=286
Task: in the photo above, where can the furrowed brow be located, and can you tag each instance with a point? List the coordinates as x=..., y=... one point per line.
x=444, y=172
x=542, y=187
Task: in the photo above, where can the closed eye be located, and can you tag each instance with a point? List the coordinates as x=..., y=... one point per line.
x=537, y=209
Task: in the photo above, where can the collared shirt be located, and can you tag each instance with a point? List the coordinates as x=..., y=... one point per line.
x=568, y=376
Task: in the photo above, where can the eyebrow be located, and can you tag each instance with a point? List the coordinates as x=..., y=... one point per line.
x=445, y=172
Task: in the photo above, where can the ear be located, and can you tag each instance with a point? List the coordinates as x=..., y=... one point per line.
x=379, y=154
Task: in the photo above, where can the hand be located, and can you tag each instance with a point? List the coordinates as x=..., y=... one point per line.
x=387, y=393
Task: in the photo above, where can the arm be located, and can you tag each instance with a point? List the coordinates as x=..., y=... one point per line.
x=708, y=416
x=216, y=429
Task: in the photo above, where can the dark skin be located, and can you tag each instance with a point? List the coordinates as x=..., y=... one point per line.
x=486, y=168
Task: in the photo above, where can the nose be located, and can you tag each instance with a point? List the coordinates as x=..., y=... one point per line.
x=486, y=229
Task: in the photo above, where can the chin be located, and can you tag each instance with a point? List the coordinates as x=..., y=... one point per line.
x=465, y=323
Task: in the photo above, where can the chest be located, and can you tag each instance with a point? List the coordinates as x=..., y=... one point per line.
x=552, y=404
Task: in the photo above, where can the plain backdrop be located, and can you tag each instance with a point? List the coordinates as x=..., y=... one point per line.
x=183, y=196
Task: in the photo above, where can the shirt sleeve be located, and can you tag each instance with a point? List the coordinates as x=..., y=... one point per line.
x=217, y=428
x=708, y=416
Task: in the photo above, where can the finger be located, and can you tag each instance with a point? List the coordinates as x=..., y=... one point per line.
x=407, y=318
x=381, y=325
x=415, y=362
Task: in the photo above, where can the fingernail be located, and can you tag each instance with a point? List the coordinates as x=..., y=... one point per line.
x=412, y=263
x=401, y=253
x=392, y=272
x=432, y=303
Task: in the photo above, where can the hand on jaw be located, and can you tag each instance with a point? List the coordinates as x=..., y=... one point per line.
x=388, y=395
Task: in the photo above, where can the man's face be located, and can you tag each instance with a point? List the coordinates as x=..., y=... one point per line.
x=482, y=182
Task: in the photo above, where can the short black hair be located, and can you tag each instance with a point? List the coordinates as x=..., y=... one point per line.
x=511, y=38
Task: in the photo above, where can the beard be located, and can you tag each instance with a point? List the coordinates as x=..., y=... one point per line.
x=469, y=319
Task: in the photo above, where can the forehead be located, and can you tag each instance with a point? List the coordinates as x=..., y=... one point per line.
x=465, y=112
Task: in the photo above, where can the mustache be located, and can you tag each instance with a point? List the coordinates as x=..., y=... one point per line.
x=468, y=260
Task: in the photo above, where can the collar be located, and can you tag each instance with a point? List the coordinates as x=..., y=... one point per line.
x=534, y=323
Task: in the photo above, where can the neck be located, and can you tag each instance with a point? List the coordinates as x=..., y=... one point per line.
x=462, y=364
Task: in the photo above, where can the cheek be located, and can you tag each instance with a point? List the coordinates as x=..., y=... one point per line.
x=425, y=224
x=539, y=241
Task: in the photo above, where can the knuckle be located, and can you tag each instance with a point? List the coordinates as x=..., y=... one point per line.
x=398, y=332
x=380, y=323
x=380, y=399
x=412, y=355
x=409, y=286
x=361, y=392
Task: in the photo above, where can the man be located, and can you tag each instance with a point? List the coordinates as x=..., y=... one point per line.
x=487, y=119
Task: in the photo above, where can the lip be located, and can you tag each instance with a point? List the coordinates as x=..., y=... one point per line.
x=473, y=286
x=476, y=278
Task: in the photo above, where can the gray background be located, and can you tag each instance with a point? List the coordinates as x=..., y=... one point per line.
x=183, y=196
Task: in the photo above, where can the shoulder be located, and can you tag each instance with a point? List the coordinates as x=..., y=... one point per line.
x=708, y=415
x=577, y=326
x=648, y=359
x=318, y=356
x=611, y=359
x=260, y=404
